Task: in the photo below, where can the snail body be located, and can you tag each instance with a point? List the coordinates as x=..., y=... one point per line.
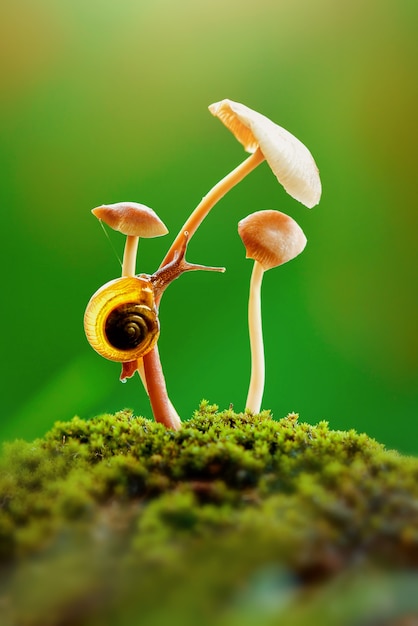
x=121, y=321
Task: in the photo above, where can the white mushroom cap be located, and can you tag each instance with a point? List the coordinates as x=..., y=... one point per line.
x=271, y=238
x=131, y=218
x=289, y=159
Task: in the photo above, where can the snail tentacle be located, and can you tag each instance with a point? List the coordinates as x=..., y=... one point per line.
x=172, y=270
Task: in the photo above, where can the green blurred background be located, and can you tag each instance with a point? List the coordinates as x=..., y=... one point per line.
x=105, y=101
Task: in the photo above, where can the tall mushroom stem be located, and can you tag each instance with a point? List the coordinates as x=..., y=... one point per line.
x=162, y=408
x=212, y=197
x=256, y=388
x=129, y=255
x=270, y=238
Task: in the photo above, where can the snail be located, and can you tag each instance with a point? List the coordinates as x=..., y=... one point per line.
x=121, y=321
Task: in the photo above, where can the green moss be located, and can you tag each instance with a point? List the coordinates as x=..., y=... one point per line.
x=119, y=511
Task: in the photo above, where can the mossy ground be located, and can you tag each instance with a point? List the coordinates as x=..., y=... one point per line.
x=235, y=519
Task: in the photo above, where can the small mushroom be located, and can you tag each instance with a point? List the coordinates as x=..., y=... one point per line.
x=289, y=159
x=271, y=238
x=133, y=220
x=137, y=220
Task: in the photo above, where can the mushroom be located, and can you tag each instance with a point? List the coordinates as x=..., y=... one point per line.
x=133, y=220
x=271, y=238
x=289, y=159
x=137, y=220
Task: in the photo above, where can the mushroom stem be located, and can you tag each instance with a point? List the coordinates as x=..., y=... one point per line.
x=129, y=255
x=163, y=410
x=212, y=197
x=256, y=388
x=175, y=418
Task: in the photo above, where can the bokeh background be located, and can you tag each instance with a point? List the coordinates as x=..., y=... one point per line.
x=105, y=101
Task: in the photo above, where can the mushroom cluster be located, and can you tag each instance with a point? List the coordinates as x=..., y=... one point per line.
x=121, y=319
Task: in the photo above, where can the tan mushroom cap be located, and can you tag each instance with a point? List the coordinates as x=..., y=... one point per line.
x=131, y=218
x=271, y=238
x=289, y=159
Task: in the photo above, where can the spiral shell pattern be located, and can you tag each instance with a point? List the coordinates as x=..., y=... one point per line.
x=121, y=321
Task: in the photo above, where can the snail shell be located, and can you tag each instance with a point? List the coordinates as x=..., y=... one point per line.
x=121, y=321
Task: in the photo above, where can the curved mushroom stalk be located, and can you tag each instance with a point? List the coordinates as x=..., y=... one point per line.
x=271, y=238
x=162, y=408
x=289, y=159
x=210, y=199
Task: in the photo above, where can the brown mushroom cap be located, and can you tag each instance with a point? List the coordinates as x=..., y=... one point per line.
x=289, y=159
x=271, y=238
x=131, y=218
